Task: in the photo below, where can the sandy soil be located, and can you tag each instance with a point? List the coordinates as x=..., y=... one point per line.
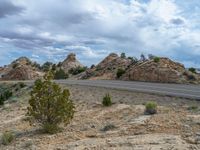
x=122, y=126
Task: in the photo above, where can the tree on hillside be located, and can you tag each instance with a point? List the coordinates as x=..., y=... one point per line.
x=47, y=66
x=142, y=57
x=60, y=74
x=123, y=55
x=77, y=70
x=49, y=105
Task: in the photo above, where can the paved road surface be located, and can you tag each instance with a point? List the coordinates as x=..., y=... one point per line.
x=179, y=90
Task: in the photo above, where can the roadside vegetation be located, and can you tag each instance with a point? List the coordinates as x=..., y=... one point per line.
x=120, y=72
x=77, y=70
x=49, y=105
x=151, y=108
x=60, y=74
x=107, y=100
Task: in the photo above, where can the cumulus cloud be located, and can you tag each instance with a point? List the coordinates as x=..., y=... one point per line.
x=94, y=28
x=8, y=8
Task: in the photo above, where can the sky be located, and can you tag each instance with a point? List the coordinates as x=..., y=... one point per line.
x=48, y=30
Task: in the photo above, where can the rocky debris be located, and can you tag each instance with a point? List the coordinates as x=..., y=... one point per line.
x=70, y=63
x=163, y=71
x=107, y=68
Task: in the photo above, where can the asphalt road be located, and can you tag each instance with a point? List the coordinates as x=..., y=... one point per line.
x=178, y=90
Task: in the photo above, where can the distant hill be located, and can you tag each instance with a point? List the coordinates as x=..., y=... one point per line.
x=112, y=67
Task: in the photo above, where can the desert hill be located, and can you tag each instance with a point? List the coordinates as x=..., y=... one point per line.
x=112, y=67
x=21, y=69
x=70, y=63
x=151, y=70
x=163, y=70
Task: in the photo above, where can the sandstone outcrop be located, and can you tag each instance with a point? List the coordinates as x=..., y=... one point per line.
x=165, y=71
x=70, y=63
x=107, y=68
x=21, y=69
x=22, y=73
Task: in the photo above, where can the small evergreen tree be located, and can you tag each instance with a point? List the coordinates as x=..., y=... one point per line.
x=156, y=59
x=46, y=66
x=120, y=72
x=123, y=55
x=60, y=74
x=49, y=105
x=193, y=70
x=2, y=99
x=107, y=100
x=142, y=57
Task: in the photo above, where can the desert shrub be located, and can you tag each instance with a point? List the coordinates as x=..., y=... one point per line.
x=77, y=70
x=36, y=65
x=193, y=108
x=53, y=68
x=133, y=59
x=60, y=74
x=98, y=68
x=15, y=65
x=120, y=72
x=59, y=64
x=151, y=108
x=46, y=66
x=2, y=99
x=7, y=94
x=107, y=100
x=22, y=85
x=156, y=59
x=193, y=70
x=7, y=138
x=92, y=66
x=123, y=55
x=191, y=77
x=108, y=127
x=49, y=105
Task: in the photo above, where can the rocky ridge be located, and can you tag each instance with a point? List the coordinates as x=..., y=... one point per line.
x=107, y=68
x=165, y=70
x=70, y=63
x=21, y=69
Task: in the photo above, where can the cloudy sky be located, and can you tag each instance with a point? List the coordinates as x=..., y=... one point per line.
x=50, y=29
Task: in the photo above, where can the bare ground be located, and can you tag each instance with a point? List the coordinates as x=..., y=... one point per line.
x=122, y=126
